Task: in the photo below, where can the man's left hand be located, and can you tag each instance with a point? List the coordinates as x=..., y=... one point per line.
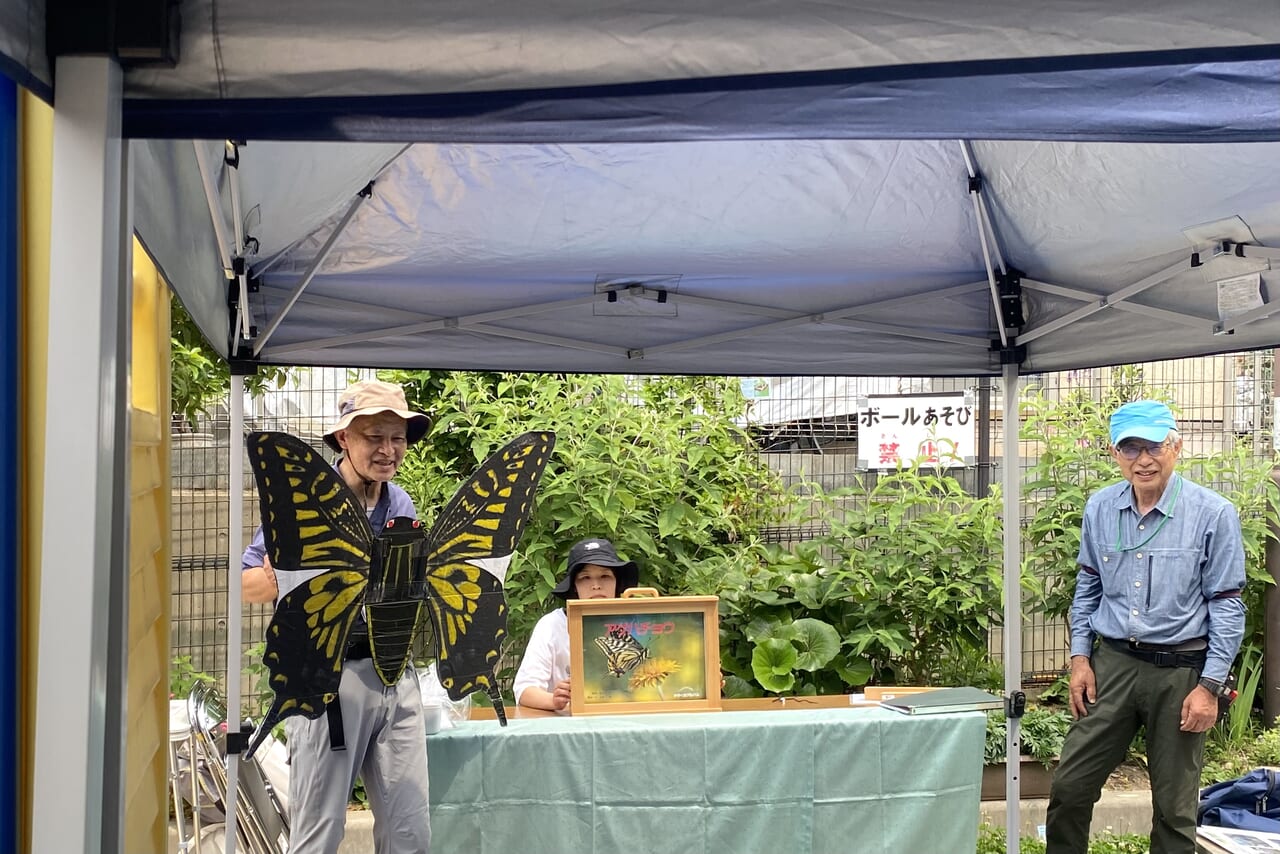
x=1199, y=710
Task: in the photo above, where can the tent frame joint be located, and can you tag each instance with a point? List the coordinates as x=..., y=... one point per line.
x=1013, y=354
x=1009, y=289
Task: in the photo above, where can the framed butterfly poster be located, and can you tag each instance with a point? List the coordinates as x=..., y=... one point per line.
x=632, y=655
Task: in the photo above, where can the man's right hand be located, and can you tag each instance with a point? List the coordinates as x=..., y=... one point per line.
x=1084, y=691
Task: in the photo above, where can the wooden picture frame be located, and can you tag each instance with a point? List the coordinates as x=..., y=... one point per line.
x=644, y=655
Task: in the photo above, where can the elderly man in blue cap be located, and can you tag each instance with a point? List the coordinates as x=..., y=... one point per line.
x=1155, y=625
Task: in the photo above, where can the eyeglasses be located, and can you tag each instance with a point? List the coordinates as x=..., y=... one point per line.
x=1132, y=450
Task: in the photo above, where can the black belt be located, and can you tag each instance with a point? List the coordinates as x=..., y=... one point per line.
x=1162, y=655
x=359, y=648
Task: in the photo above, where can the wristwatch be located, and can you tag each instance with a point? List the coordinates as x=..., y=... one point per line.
x=1214, y=687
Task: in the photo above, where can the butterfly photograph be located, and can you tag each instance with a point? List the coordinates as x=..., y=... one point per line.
x=643, y=654
x=401, y=579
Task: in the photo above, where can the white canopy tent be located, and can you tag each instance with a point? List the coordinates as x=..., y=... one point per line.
x=657, y=187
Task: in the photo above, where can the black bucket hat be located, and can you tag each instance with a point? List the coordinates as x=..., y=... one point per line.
x=599, y=552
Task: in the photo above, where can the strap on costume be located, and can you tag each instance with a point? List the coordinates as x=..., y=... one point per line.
x=337, y=736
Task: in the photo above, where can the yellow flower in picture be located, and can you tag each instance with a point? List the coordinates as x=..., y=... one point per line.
x=653, y=672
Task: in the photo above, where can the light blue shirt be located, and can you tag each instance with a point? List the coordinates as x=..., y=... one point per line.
x=1168, y=577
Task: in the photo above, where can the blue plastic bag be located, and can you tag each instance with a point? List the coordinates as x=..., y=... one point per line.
x=1249, y=802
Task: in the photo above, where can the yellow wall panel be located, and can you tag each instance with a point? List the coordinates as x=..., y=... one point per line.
x=147, y=692
x=35, y=119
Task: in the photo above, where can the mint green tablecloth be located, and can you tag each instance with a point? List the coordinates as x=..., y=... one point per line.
x=854, y=781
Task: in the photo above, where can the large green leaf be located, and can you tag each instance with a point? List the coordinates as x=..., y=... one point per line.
x=854, y=670
x=817, y=642
x=772, y=662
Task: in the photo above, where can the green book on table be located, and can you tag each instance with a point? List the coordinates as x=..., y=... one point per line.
x=944, y=700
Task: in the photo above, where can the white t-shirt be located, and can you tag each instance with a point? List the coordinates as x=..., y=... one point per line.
x=546, y=658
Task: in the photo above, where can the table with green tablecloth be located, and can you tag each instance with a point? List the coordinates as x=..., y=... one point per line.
x=797, y=781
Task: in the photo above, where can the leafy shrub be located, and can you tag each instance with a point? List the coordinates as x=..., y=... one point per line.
x=1042, y=733
x=183, y=676
x=199, y=377
x=901, y=587
x=656, y=465
x=1225, y=759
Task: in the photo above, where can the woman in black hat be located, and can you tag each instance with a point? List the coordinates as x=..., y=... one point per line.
x=595, y=572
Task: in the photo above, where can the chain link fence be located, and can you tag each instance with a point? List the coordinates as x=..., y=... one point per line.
x=809, y=430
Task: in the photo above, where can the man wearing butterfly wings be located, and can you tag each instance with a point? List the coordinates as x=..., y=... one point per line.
x=349, y=603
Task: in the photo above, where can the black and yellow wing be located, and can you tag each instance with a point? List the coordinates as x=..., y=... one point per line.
x=483, y=521
x=310, y=521
x=622, y=652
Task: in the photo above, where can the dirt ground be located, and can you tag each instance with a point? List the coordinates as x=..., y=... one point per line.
x=1129, y=776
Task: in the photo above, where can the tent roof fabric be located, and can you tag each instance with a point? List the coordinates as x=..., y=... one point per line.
x=760, y=257
x=235, y=49
x=776, y=188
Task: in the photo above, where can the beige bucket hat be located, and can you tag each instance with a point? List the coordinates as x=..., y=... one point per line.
x=369, y=397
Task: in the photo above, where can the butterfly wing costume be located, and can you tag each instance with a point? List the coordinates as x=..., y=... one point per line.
x=312, y=521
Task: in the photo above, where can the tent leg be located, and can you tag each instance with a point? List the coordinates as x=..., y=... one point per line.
x=1012, y=601
x=77, y=797
x=235, y=516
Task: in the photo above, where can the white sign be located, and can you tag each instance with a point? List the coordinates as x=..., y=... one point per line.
x=1238, y=295
x=936, y=429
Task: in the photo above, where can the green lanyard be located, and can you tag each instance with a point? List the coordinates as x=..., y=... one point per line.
x=1177, y=489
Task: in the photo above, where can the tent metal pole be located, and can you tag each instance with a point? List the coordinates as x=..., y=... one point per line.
x=975, y=191
x=967, y=150
x=1251, y=250
x=1080, y=295
x=235, y=545
x=313, y=267
x=215, y=210
x=473, y=322
x=1012, y=634
x=220, y=234
x=1260, y=313
x=991, y=229
x=232, y=159
x=1027, y=336
x=77, y=797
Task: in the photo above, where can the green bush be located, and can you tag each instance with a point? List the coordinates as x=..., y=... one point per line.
x=199, y=377
x=1226, y=759
x=183, y=676
x=1041, y=733
x=656, y=465
x=902, y=587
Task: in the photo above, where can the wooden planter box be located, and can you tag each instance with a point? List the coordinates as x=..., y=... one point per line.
x=1033, y=780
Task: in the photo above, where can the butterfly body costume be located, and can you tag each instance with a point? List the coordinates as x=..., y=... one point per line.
x=312, y=521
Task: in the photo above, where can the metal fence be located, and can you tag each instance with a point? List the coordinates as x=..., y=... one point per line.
x=808, y=430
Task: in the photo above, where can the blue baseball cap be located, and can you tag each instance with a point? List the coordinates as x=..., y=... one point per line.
x=1142, y=419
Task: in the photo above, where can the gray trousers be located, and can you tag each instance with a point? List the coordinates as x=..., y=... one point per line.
x=386, y=745
x=1130, y=693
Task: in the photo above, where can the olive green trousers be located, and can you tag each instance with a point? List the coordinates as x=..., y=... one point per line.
x=1131, y=693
